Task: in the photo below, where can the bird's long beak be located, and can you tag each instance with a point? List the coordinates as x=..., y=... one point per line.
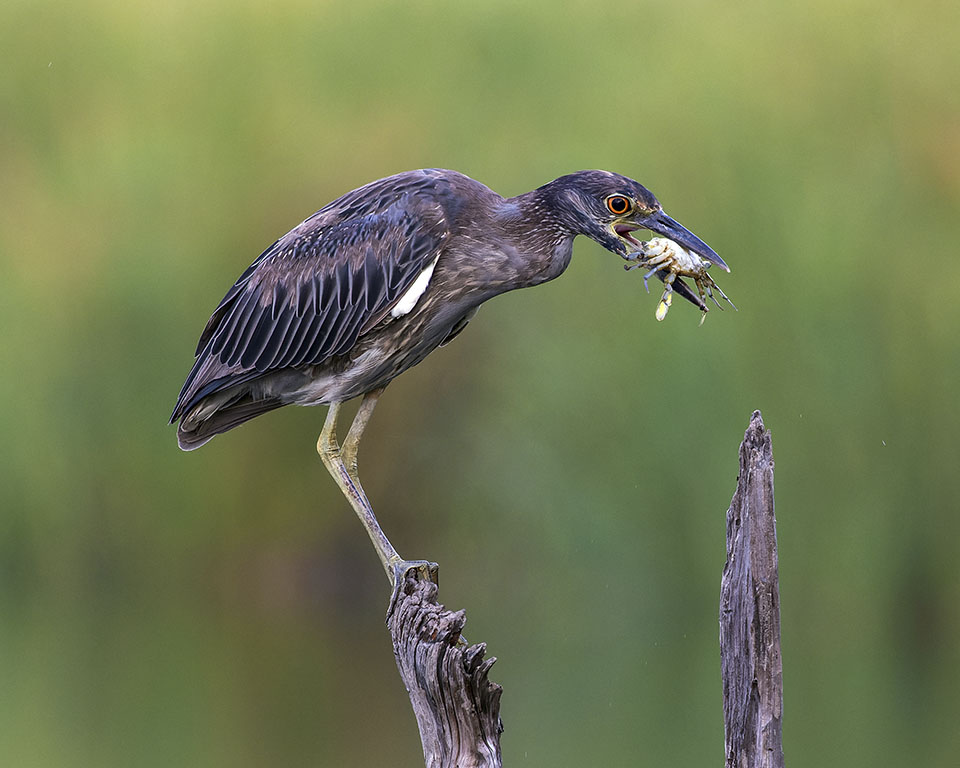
x=662, y=224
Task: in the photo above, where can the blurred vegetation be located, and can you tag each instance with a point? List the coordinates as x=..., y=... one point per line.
x=568, y=460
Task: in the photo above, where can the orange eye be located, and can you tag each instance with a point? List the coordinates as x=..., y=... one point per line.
x=618, y=204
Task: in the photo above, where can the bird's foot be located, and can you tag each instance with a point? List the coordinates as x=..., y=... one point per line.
x=398, y=570
x=425, y=571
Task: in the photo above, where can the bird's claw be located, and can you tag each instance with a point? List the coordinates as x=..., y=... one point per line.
x=426, y=571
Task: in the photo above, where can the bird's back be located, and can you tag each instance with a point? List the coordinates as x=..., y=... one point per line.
x=304, y=303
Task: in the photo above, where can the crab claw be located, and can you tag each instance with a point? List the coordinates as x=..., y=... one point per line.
x=684, y=290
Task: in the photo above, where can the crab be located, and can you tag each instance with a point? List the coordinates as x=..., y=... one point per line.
x=668, y=261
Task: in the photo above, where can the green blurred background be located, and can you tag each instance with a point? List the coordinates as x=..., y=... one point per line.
x=568, y=461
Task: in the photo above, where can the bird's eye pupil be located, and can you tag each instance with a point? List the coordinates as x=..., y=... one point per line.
x=618, y=204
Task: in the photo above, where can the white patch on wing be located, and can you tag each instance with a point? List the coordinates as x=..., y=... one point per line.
x=414, y=292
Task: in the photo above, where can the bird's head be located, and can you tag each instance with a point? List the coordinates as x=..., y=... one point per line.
x=607, y=207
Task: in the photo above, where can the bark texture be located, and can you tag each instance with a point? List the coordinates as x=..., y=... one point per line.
x=750, y=613
x=456, y=706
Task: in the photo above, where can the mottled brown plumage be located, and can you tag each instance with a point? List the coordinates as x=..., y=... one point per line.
x=312, y=320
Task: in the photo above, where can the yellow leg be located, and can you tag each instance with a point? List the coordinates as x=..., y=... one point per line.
x=341, y=463
x=348, y=451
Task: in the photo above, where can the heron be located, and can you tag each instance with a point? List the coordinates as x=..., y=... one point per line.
x=373, y=282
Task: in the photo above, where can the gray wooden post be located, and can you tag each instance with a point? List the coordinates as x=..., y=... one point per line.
x=458, y=709
x=456, y=706
x=750, y=613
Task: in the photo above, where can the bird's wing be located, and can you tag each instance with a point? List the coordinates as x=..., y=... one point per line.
x=317, y=289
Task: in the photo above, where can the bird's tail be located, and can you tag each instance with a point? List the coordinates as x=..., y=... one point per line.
x=210, y=418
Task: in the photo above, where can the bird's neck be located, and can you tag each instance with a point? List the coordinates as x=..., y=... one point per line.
x=541, y=242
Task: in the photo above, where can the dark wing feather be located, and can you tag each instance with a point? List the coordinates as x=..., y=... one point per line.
x=228, y=301
x=315, y=291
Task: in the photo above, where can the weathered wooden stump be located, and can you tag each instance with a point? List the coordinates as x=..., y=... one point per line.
x=456, y=706
x=750, y=613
